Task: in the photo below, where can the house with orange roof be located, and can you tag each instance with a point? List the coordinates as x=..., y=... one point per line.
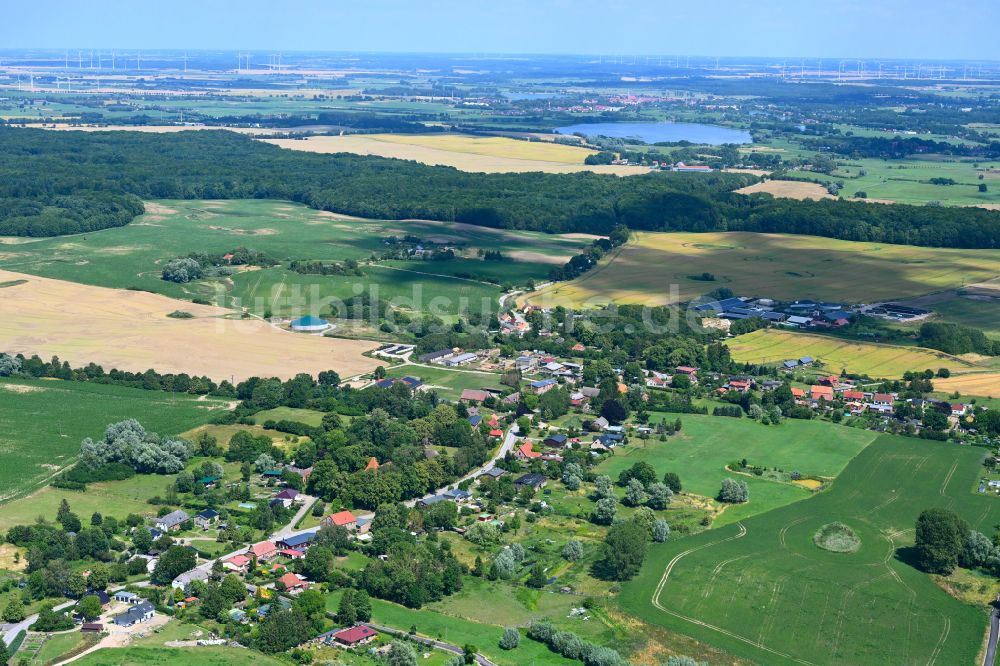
x=817, y=392
x=496, y=432
x=341, y=519
x=798, y=393
x=293, y=583
x=854, y=395
x=372, y=464
x=526, y=451
x=263, y=550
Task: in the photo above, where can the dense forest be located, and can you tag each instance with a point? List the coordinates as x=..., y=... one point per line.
x=39, y=169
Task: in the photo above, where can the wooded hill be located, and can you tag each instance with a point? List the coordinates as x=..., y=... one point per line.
x=55, y=183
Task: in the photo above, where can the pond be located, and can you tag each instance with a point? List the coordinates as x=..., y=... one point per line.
x=656, y=132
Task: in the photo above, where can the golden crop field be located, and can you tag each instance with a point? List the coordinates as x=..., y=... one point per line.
x=876, y=360
x=130, y=330
x=788, y=189
x=983, y=383
x=777, y=266
x=490, y=154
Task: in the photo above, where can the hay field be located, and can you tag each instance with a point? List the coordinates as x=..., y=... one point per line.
x=778, y=266
x=492, y=154
x=130, y=330
x=876, y=360
x=763, y=591
x=984, y=383
x=788, y=189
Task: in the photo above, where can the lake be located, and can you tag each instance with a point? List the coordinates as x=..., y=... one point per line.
x=656, y=132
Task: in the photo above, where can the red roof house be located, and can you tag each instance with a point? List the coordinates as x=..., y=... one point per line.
x=341, y=519
x=293, y=553
x=264, y=550
x=821, y=392
x=237, y=563
x=854, y=395
x=372, y=464
x=293, y=583
x=496, y=432
x=526, y=451
x=354, y=636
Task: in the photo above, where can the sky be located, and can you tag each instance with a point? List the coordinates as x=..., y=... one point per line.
x=921, y=29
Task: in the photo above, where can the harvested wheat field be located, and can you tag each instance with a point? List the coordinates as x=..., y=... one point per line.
x=493, y=154
x=130, y=330
x=770, y=346
x=781, y=266
x=984, y=384
x=788, y=189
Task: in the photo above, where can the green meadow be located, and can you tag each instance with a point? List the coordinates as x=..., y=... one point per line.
x=762, y=590
x=132, y=256
x=459, y=631
x=706, y=444
x=42, y=423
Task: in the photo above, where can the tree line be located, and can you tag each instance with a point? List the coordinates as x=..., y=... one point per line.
x=38, y=167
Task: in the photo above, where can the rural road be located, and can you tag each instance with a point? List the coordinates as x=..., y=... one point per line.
x=505, y=448
x=286, y=531
x=10, y=631
x=447, y=647
x=991, y=647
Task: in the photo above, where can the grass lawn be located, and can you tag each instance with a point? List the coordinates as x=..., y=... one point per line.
x=706, y=444
x=42, y=423
x=777, y=266
x=196, y=656
x=761, y=588
x=458, y=631
x=113, y=498
x=449, y=383
x=307, y=416
x=57, y=645
x=877, y=360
